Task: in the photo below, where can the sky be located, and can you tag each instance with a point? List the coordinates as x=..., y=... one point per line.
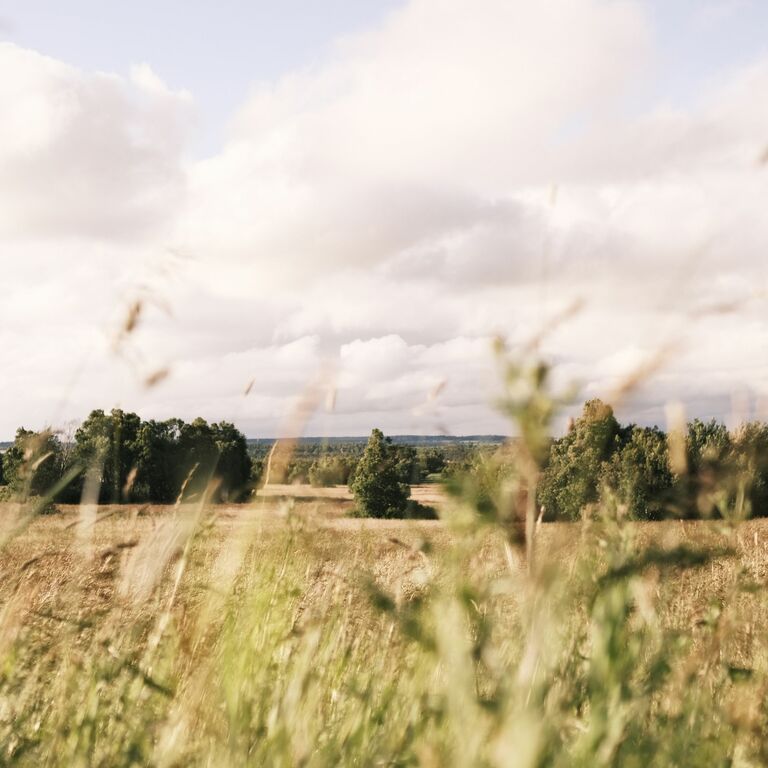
x=342, y=204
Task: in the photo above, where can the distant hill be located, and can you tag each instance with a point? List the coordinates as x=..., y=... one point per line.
x=261, y=442
x=399, y=439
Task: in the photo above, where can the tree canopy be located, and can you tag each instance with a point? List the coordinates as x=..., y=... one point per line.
x=133, y=460
x=571, y=480
x=378, y=484
x=33, y=464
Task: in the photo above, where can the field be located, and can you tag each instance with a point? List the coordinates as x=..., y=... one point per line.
x=283, y=633
x=431, y=494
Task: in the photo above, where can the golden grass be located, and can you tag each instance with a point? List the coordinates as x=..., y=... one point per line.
x=283, y=633
x=427, y=493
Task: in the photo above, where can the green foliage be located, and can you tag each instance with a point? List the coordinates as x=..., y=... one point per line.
x=107, y=445
x=406, y=463
x=234, y=464
x=33, y=464
x=329, y=470
x=298, y=471
x=431, y=461
x=638, y=473
x=571, y=480
x=709, y=486
x=707, y=444
x=723, y=476
x=463, y=458
x=378, y=485
x=154, y=461
x=751, y=449
x=258, y=465
x=158, y=476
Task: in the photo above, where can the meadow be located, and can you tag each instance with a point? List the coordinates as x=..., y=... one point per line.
x=291, y=631
x=285, y=633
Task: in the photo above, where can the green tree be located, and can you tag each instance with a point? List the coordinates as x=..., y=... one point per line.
x=432, y=461
x=707, y=444
x=750, y=458
x=233, y=466
x=751, y=445
x=571, y=480
x=157, y=459
x=709, y=485
x=331, y=470
x=407, y=463
x=34, y=463
x=638, y=473
x=196, y=457
x=377, y=485
x=106, y=444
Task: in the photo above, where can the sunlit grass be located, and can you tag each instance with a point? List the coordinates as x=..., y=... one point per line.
x=282, y=633
x=290, y=637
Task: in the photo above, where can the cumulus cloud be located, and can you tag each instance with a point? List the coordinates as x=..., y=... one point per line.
x=457, y=172
x=86, y=153
x=408, y=134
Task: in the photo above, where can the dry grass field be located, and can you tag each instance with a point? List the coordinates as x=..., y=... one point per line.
x=283, y=633
x=430, y=494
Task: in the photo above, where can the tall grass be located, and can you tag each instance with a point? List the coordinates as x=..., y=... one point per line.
x=275, y=635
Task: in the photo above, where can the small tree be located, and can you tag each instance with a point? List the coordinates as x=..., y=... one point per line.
x=710, y=482
x=432, y=461
x=377, y=484
x=707, y=444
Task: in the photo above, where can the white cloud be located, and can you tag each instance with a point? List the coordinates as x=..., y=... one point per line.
x=462, y=170
x=409, y=133
x=86, y=154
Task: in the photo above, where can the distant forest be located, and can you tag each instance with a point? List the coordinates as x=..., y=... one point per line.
x=118, y=457
x=128, y=459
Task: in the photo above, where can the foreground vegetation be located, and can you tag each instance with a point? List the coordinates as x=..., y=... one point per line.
x=285, y=636
x=280, y=633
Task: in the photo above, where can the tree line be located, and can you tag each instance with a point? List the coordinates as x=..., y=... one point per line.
x=323, y=465
x=645, y=474
x=124, y=458
x=704, y=471
x=707, y=471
